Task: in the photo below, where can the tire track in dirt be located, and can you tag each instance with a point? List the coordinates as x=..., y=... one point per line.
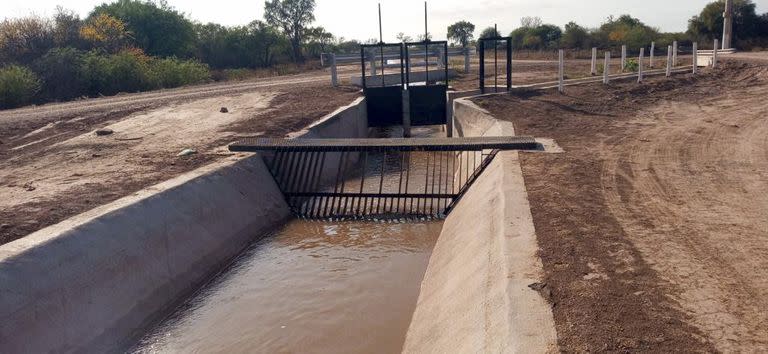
x=652, y=226
x=694, y=200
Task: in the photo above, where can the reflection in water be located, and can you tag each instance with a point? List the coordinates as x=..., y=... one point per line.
x=310, y=287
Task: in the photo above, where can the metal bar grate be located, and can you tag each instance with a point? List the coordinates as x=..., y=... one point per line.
x=377, y=178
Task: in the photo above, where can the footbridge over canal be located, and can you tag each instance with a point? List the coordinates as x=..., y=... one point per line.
x=378, y=178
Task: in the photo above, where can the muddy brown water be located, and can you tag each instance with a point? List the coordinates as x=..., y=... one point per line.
x=310, y=287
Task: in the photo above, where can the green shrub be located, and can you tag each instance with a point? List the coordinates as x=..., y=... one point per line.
x=18, y=86
x=631, y=65
x=61, y=71
x=126, y=71
x=172, y=72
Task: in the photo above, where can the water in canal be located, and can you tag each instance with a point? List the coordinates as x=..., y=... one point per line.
x=310, y=287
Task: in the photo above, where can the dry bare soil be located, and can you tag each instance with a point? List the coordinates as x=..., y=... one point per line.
x=53, y=165
x=653, y=225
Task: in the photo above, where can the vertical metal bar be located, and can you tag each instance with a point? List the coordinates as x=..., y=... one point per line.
x=509, y=64
x=362, y=64
x=339, y=173
x=400, y=182
x=407, y=66
x=288, y=170
x=496, y=59
x=343, y=182
x=402, y=67
x=426, y=180
x=313, y=211
x=362, y=182
x=381, y=180
x=439, y=175
x=445, y=62
x=273, y=161
x=426, y=43
x=294, y=172
x=482, y=66
x=381, y=47
x=303, y=186
x=407, y=181
x=432, y=200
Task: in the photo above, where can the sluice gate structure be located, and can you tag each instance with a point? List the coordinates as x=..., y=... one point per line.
x=377, y=178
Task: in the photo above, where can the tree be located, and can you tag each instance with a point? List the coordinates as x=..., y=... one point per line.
x=625, y=30
x=25, y=39
x=318, y=40
x=66, y=28
x=293, y=17
x=489, y=32
x=709, y=23
x=575, y=36
x=157, y=28
x=422, y=37
x=106, y=32
x=404, y=38
x=461, y=32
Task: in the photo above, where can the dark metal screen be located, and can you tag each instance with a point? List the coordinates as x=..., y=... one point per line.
x=378, y=178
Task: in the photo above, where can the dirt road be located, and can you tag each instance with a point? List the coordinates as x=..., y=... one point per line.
x=652, y=225
x=53, y=165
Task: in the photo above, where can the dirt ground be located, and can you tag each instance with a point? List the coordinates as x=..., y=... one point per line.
x=53, y=165
x=652, y=225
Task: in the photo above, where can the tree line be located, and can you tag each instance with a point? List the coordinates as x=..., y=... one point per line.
x=750, y=31
x=136, y=45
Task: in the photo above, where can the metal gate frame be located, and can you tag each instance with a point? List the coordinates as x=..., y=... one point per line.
x=427, y=104
x=385, y=103
x=481, y=44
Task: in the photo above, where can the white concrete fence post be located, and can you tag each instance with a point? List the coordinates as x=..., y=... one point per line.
x=623, y=57
x=695, y=57
x=561, y=71
x=714, y=54
x=334, y=72
x=594, y=61
x=640, y=65
x=466, y=60
x=674, y=53
x=653, y=53
x=607, y=68
x=669, y=61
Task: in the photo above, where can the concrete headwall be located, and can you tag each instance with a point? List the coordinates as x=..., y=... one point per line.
x=98, y=279
x=475, y=296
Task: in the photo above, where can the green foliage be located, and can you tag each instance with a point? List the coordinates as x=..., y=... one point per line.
x=18, y=86
x=576, y=36
x=625, y=30
x=61, y=73
x=318, y=41
x=172, y=72
x=709, y=23
x=631, y=65
x=489, y=32
x=115, y=73
x=66, y=29
x=252, y=46
x=461, y=32
x=25, y=39
x=293, y=17
x=533, y=34
x=157, y=28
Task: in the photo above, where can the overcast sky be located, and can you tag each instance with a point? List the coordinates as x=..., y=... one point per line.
x=357, y=19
